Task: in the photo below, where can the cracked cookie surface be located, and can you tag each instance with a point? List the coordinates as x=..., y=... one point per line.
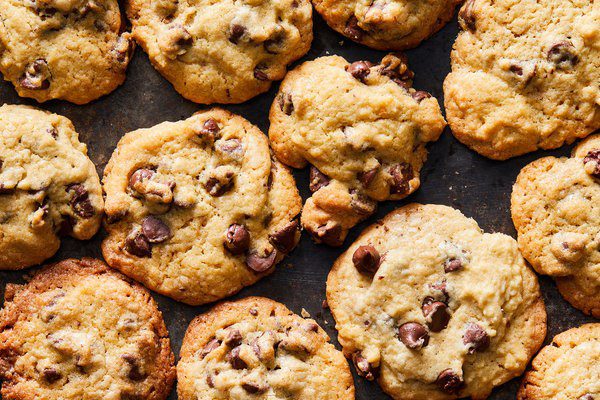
x=433, y=307
x=568, y=369
x=363, y=133
x=556, y=210
x=222, y=51
x=198, y=209
x=525, y=75
x=48, y=186
x=386, y=24
x=79, y=330
x=256, y=348
x=63, y=49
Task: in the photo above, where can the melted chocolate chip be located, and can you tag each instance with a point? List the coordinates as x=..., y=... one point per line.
x=452, y=265
x=80, y=201
x=329, y=234
x=137, y=244
x=401, y=176
x=352, y=30
x=436, y=313
x=135, y=374
x=209, y=348
x=253, y=388
x=155, y=230
x=593, y=158
x=260, y=74
x=218, y=186
x=285, y=103
x=284, y=239
x=366, y=259
x=36, y=76
x=449, y=381
x=261, y=264
x=235, y=360
x=420, y=95
x=140, y=175
x=237, y=31
x=367, y=177
x=413, y=335
x=237, y=239
x=359, y=70
x=210, y=128
x=234, y=338
x=475, y=338
x=317, y=179
x=563, y=54
x=363, y=367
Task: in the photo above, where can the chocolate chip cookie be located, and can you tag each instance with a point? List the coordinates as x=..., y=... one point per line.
x=386, y=24
x=363, y=133
x=48, y=186
x=72, y=50
x=567, y=369
x=524, y=75
x=257, y=348
x=556, y=210
x=434, y=308
x=198, y=209
x=79, y=330
x=222, y=51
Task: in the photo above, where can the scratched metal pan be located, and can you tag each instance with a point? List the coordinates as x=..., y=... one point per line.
x=453, y=175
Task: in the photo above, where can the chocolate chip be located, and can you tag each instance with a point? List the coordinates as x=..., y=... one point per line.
x=155, y=230
x=475, y=338
x=352, y=30
x=449, y=381
x=363, y=367
x=466, y=16
x=436, y=314
x=237, y=31
x=122, y=50
x=210, y=128
x=363, y=205
x=587, y=396
x=137, y=244
x=401, y=175
x=36, y=76
x=260, y=74
x=452, y=265
x=330, y=234
x=235, y=360
x=139, y=176
x=209, y=348
x=135, y=374
x=80, y=201
x=275, y=44
x=563, y=54
x=317, y=179
x=253, y=312
x=366, y=259
x=395, y=67
x=413, y=335
x=311, y=326
x=359, y=70
x=237, y=239
x=285, y=103
x=51, y=375
x=234, y=338
x=253, y=388
x=230, y=146
x=592, y=163
x=219, y=185
x=419, y=95
x=261, y=264
x=367, y=177
x=53, y=132
x=284, y=239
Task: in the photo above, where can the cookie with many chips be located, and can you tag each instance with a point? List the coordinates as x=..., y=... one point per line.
x=198, y=209
x=434, y=308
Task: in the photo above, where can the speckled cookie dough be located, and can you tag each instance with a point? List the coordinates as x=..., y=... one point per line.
x=222, y=51
x=256, y=348
x=525, y=75
x=198, y=209
x=72, y=50
x=386, y=24
x=556, y=210
x=434, y=308
x=568, y=369
x=80, y=331
x=362, y=128
x=48, y=186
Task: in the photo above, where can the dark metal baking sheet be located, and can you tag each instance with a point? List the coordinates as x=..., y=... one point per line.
x=453, y=175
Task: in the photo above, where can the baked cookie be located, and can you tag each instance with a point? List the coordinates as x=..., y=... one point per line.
x=363, y=130
x=198, y=209
x=48, y=186
x=223, y=51
x=434, y=308
x=81, y=331
x=257, y=348
x=63, y=49
x=568, y=369
x=525, y=75
x=556, y=210
x=386, y=24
